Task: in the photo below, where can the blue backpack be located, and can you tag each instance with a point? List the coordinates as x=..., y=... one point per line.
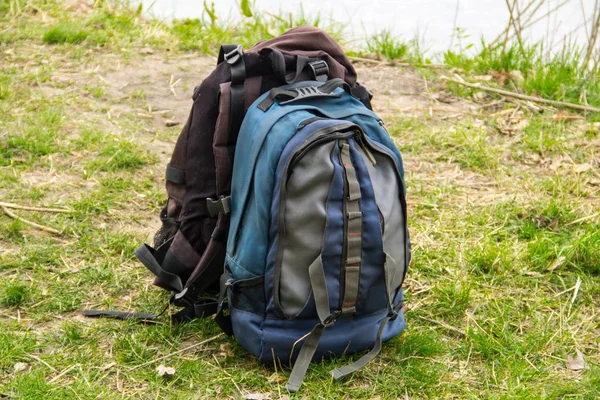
x=318, y=245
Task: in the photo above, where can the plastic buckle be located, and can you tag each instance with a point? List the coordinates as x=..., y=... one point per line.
x=330, y=320
x=234, y=55
x=218, y=206
x=183, y=298
x=395, y=312
x=320, y=70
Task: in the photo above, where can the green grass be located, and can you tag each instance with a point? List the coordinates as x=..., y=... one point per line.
x=559, y=76
x=391, y=48
x=504, y=282
x=209, y=32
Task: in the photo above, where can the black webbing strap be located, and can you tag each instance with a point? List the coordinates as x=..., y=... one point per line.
x=363, y=94
x=301, y=62
x=124, y=315
x=233, y=55
x=203, y=307
x=145, y=254
x=175, y=175
x=279, y=68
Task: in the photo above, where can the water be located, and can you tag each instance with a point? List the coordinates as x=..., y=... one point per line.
x=432, y=21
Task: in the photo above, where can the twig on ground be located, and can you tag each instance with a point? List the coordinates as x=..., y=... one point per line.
x=394, y=63
x=29, y=208
x=177, y=352
x=576, y=292
x=36, y=358
x=28, y=222
x=57, y=377
x=583, y=219
x=443, y=325
x=520, y=96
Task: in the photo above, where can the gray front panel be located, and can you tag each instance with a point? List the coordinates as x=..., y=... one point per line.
x=387, y=195
x=305, y=218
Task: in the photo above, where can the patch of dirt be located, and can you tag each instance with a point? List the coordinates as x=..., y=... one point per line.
x=404, y=91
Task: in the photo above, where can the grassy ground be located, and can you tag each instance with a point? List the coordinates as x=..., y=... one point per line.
x=504, y=202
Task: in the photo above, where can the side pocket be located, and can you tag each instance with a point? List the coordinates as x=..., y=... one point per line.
x=248, y=295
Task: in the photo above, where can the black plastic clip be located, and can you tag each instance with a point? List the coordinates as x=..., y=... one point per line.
x=234, y=55
x=320, y=70
x=222, y=205
x=307, y=92
x=185, y=298
x=332, y=318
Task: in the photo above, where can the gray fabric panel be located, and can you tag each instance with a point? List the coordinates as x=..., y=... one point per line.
x=387, y=195
x=305, y=218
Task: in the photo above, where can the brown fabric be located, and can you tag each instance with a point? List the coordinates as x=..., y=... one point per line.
x=184, y=252
x=252, y=90
x=313, y=42
x=223, y=142
x=221, y=145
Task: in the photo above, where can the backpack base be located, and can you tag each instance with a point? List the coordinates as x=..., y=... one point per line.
x=272, y=339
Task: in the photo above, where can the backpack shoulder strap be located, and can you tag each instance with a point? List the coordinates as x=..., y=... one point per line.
x=233, y=55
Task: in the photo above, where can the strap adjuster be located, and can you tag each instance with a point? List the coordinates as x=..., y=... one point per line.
x=234, y=55
x=393, y=314
x=331, y=318
x=222, y=205
x=185, y=298
x=320, y=70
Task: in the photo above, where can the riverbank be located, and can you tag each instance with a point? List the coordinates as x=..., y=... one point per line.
x=503, y=205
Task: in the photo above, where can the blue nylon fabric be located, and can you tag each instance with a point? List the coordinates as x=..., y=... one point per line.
x=247, y=247
x=372, y=291
x=257, y=153
x=331, y=252
x=267, y=337
x=288, y=151
x=261, y=144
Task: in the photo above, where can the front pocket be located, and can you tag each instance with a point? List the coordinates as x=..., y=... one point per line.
x=308, y=179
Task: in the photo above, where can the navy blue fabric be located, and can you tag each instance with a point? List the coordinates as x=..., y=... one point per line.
x=331, y=253
x=372, y=291
x=273, y=339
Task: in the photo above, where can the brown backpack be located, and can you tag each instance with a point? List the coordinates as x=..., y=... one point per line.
x=189, y=249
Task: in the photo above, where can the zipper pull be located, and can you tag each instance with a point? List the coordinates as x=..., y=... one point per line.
x=367, y=151
x=382, y=124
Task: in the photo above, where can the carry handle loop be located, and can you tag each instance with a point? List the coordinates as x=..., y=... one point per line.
x=287, y=96
x=279, y=68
